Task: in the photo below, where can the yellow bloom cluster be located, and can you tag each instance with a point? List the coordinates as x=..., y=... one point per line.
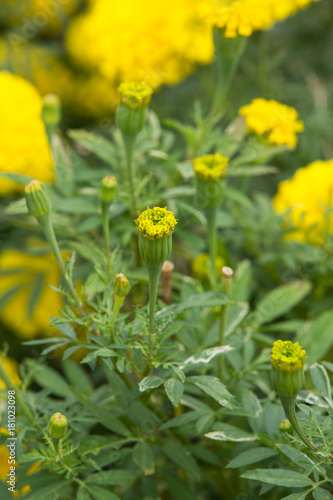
x=156, y=222
x=242, y=17
x=134, y=41
x=135, y=95
x=278, y=122
x=210, y=167
x=11, y=367
x=24, y=273
x=287, y=356
x=306, y=200
x=24, y=148
x=200, y=266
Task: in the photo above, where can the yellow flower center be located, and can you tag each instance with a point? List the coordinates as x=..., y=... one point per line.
x=156, y=222
x=135, y=95
x=287, y=356
x=210, y=167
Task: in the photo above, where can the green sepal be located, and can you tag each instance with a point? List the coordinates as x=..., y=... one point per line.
x=130, y=121
x=209, y=193
x=155, y=251
x=287, y=383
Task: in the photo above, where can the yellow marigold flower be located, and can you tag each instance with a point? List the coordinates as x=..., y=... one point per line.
x=24, y=273
x=156, y=223
x=287, y=356
x=210, y=167
x=135, y=41
x=200, y=265
x=135, y=95
x=242, y=17
x=4, y=465
x=305, y=201
x=276, y=121
x=24, y=147
x=11, y=367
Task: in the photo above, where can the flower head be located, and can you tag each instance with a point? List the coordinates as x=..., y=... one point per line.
x=57, y=426
x=306, y=202
x=278, y=122
x=156, y=223
x=135, y=94
x=210, y=167
x=287, y=356
x=107, y=188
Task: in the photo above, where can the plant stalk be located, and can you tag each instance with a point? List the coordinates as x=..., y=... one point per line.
x=211, y=215
x=106, y=232
x=227, y=274
x=116, y=306
x=129, y=141
x=154, y=271
x=288, y=403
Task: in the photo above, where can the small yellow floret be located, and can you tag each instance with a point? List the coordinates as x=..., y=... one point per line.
x=135, y=95
x=306, y=201
x=287, y=356
x=278, y=122
x=210, y=167
x=156, y=222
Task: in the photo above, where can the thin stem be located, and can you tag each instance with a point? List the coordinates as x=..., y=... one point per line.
x=154, y=271
x=288, y=404
x=106, y=232
x=226, y=285
x=211, y=214
x=10, y=385
x=116, y=306
x=129, y=148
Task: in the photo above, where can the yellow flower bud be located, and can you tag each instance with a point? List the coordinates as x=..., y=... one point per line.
x=132, y=110
x=37, y=198
x=51, y=112
x=287, y=372
x=107, y=189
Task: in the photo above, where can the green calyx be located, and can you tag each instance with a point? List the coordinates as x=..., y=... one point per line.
x=121, y=285
x=57, y=426
x=51, y=111
x=107, y=189
x=287, y=383
x=155, y=251
x=287, y=374
x=37, y=198
x=130, y=121
x=209, y=193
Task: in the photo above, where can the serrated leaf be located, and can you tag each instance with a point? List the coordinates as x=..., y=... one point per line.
x=316, y=337
x=279, y=477
x=143, y=456
x=321, y=380
x=174, y=390
x=296, y=456
x=206, y=299
x=150, y=383
x=50, y=379
x=227, y=432
x=182, y=458
x=252, y=456
x=204, y=357
x=213, y=387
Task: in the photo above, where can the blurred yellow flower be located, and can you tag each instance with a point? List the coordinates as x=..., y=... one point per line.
x=200, y=266
x=305, y=200
x=242, y=17
x=11, y=366
x=24, y=148
x=28, y=276
x=148, y=40
x=276, y=121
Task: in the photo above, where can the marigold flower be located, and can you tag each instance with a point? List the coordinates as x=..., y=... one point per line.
x=210, y=167
x=305, y=200
x=57, y=426
x=135, y=95
x=24, y=147
x=156, y=223
x=276, y=121
x=242, y=17
x=287, y=356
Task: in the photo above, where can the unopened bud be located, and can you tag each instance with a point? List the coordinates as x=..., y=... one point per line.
x=287, y=372
x=37, y=198
x=121, y=285
x=285, y=425
x=107, y=189
x=51, y=112
x=132, y=110
x=57, y=426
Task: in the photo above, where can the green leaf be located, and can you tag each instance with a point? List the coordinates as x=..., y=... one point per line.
x=52, y=490
x=206, y=299
x=316, y=337
x=298, y=496
x=182, y=458
x=8, y=294
x=278, y=302
x=321, y=380
x=143, y=456
x=178, y=488
x=50, y=379
x=101, y=494
x=83, y=493
x=184, y=419
x=279, y=477
x=204, y=357
x=251, y=170
x=321, y=494
x=227, y=432
x=242, y=281
x=35, y=294
x=251, y=457
x=78, y=377
x=296, y=456
x=96, y=144
x=252, y=405
x=19, y=178
x=66, y=329
x=174, y=390
x=112, y=477
x=213, y=387
x=150, y=383
x=235, y=316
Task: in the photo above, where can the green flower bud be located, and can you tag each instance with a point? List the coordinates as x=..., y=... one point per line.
x=155, y=226
x=107, y=189
x=37, y=198
x=51, y=112
x=57, y=426
x=121, y=285
x=132, y=110
x=287, y=373
x=285, y=426
x=209, y=171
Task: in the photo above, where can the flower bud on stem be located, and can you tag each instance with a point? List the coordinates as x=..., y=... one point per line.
x=121, y=288
x=227, y=274
x=287, y=376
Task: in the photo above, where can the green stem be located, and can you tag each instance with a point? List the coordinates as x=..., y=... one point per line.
x=228, y=53
x=129, y=147
x=154, y=272
x=116, y=306
x=47, y=227
x=226, y=285
x=211, y=214
x=106, y=232
x=11, y=386
x=288, y=404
